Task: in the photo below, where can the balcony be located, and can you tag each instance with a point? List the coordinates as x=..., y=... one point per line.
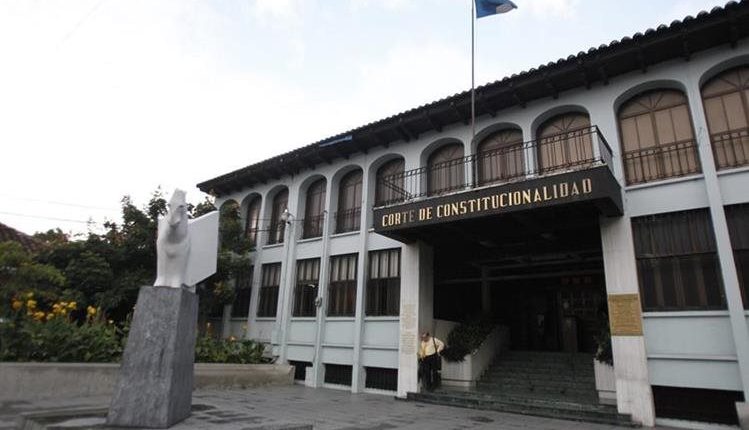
x=573, y=168
x=577, y=150
x=731, y=148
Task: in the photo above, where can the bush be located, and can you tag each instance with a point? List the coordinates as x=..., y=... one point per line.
x=466, y=338
x=211, y=350
x=60, y=334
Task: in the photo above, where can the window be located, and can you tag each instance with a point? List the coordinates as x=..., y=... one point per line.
x=277, y=225
x=738, y=228
x=677, y=263
x=446, y=170
x=381, y=379
x=500, y=156
x=305, y=291
x=697, y=404
x=726, y=101
x=348, y=217
x=384, y=283
x=338, y=374
x=342, y=289
x=314, y=210
x=300, y=369
x=268, y=302
x=241, y=306
x=657, y=137
x=251, y=226
x=564, y=141
x=390, y=181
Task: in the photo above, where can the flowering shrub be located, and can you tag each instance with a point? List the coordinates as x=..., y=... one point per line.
x=211, y=350
x=62, y=333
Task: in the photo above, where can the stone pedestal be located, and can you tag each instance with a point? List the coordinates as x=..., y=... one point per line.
x=154, y=388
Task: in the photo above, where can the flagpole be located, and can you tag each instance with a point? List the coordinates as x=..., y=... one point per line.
x=473, y=71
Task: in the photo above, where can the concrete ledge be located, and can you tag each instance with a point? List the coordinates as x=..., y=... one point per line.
x=35, y=381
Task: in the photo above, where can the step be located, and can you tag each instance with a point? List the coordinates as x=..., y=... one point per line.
x=527, y=406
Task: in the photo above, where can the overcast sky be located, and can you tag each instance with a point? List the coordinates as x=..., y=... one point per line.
x=105, y=98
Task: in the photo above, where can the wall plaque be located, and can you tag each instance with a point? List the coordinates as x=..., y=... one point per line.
x=625, y=316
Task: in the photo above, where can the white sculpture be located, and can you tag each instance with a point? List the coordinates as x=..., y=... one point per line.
x=173, y=244
x=186, y=250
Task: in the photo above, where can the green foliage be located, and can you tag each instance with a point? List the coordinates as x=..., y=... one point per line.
x=604, y=354
x=31, y=334
x=211, y=350
x=20, y=274
x=466, y=338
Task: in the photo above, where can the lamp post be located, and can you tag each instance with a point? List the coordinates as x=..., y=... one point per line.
x=285, y=291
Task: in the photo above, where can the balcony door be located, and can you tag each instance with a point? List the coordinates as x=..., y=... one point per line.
x=446, y=169
x=564, y=142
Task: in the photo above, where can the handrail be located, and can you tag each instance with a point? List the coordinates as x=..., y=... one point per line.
x=573, y=150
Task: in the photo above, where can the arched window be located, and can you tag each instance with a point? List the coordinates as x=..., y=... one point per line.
x=277, y=225
x=726, y=101
x=348, y=217
x=564, y=142
x=500, y=156
x=389, y=185
x=657, y=137
x=251, y=225
x=314, y=210
x=445, y=169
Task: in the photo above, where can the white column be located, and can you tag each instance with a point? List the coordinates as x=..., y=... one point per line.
x=416, y=310
x=530, y=151
x=318, y=368
x=633, y=393
x=257, y=271
x=357, y=384
x=722, y=238
x=288, y=269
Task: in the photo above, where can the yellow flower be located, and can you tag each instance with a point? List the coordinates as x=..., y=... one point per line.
x=50, y=316
x=64, y=304
x=232, y=339
x=91, y=311
x=31, y=304
x=17, y=304
x=39, y=315
x=30, y=295
x=72, y=305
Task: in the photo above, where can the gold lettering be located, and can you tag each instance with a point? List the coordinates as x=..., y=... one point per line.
x=527, y=196
x=517, y=198
x=564, y=189
x=411, y=216
x=537, y=196
x=587, y=186
x=463, y=208
x=546, y=194
x=495, y=202
x=556, y=196
x=502, y=200
x=454, y=208
x=429, y=212
x=575, y=191
x=385, y=221
x=486, y=202
x=439, y=211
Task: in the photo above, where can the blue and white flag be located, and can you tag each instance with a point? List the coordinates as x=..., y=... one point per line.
x=493, y=7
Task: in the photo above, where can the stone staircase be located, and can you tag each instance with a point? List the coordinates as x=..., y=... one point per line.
x=548, y=384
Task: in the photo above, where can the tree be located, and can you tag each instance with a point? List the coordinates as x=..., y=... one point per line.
x=20, y=274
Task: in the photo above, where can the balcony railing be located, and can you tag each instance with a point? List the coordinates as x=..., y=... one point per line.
x=661, y=162
x=348, y=220
x=731, y=148
x=574, y=150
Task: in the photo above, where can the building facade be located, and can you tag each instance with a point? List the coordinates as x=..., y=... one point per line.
x=614, y=182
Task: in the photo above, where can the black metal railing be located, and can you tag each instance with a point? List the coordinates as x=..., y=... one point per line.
x=731, y=148
x=313, y=226
x=348, y=220
x=661, y=162
x=573, y=150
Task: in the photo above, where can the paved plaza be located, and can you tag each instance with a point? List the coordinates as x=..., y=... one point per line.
x=323, y=409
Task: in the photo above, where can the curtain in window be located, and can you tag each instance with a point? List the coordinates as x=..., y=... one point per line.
x=252, y=222
x=564, y=141
x=390, y=181
x=383, y=285
x=657, y=137
x=271, y=280
x=277, y=226
x=726, y=102
x=243, y=286
x=446, y=169
x=738, y=228
x=342, y=288
x=348, y=217
x=305, y=291
x=314, y=210
x=677, y=262
x=500, y=156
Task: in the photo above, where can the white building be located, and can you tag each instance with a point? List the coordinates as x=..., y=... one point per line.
x=618, y=175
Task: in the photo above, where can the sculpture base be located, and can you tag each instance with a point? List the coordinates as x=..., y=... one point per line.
x=154, y=387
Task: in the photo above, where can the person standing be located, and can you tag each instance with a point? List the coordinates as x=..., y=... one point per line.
x=430, y=362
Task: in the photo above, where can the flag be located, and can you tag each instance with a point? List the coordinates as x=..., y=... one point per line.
x=493, y=7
